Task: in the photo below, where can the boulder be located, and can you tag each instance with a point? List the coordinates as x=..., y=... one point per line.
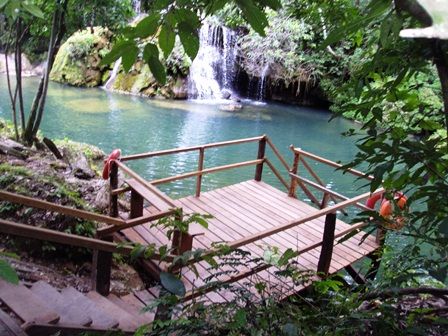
x=79, y=164
x=226, y=94
x=78, y=59
x=233, y=107
x=10, y=147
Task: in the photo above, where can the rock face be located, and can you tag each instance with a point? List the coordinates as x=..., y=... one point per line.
x=140, y=81
x=78, y=63
x=78, y=60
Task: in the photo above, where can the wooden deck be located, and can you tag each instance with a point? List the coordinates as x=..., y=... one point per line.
x=251, y=216
x=248, y=208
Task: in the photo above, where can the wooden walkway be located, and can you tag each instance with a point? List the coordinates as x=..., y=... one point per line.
x=251, y=216
x=247, y=208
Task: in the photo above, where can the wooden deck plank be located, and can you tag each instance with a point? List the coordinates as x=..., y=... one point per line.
x=247, y=208
x=279, y=240
x=290, y=205
x=308, y=208
x=313, y=228
x=223, y=223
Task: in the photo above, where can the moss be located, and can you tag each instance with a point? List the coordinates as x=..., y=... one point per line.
x=91, y=152
x=78, y=60
x=144, y=80
x=125, y=82
x=6, y=168
x=7, y=129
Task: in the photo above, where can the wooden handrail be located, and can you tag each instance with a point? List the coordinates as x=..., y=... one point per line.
x=206, y=171
x=331, y=163
x=33, y=232
x=328, y=191
x=317, y=178
x=35, y=203
x=189, y=149
x=277, y=153
x=242, y=275
x=133, y=222
x=146, y=184
x=277, y=174
x=269, y=232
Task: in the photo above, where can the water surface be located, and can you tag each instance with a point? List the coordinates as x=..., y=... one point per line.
x=133, y=124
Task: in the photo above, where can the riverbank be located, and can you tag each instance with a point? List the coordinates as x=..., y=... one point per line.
x=72, y=181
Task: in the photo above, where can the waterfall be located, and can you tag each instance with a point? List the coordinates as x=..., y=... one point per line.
x=213, y=69
x=113, y=74
x=262, y=86
x=137, y=7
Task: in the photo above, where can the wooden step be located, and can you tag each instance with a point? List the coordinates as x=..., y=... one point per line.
x=69, y=313
x=127, y=322
x=8, y=327
x=27, y=306
x=133, y=305
x=100, y=319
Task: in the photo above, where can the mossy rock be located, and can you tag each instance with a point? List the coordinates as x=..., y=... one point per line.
x=78, y=60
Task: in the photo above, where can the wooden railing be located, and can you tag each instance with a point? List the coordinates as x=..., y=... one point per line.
x=103, y=248
x=296, y=180
x=326, y=243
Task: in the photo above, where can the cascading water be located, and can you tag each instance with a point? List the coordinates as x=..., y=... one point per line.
x=113, y=75
x=137, y=7
x=213, y=69
x=262, y=86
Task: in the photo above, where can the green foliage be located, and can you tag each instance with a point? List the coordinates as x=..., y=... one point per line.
x=170, y=19
x=284, y=53
x=395, y=90
x=8, y=273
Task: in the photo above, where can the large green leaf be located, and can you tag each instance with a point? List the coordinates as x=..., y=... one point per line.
x=254, y=15
x=167, y=38
x=172, y=284
x=148, y=26
x=188, y=17
x=7, y=272
x=189, y=39
x=129, y=57
x=151, y=57
x=161, y=4
x=127, y=50
x=32, y=9
x=3, y=3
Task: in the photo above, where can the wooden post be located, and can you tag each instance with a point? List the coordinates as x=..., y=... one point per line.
x=200, y=167
x=355, y=275
x=102, y=261
x=261, y=152
x=182, y=242
x=326, y=252
x=136, y=204
x=101, y=270
x=294, y=169
x=113, y=182
x=324, y=202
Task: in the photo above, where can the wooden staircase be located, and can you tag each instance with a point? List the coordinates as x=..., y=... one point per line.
x=43, y=310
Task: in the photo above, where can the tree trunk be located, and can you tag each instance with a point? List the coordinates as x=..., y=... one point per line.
x=11, y=96
x=37, y=108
